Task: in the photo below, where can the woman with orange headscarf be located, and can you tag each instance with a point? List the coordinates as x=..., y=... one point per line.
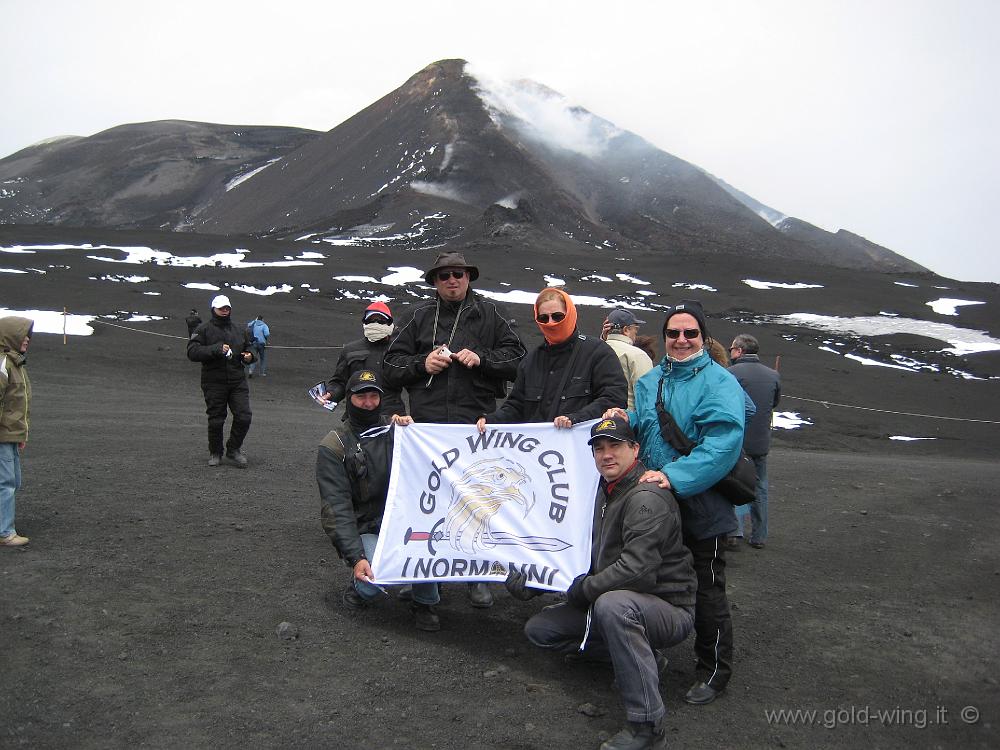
x=569, y=378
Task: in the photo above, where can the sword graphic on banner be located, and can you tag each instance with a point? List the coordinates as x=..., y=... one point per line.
x=495, y=538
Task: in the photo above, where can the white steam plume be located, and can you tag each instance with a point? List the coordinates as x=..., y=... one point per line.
x=543, y=114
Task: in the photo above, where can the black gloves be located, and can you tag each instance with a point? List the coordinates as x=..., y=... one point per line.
x=575, y=595
x=515, y=584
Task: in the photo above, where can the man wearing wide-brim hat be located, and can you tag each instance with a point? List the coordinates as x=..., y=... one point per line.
x=454, y=355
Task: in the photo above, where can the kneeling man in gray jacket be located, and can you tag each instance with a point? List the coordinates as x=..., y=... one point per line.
x=639, y=593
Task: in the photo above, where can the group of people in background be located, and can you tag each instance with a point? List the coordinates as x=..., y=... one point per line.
x=660, y=528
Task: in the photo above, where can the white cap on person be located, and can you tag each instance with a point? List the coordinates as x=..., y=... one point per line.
x=221, y=301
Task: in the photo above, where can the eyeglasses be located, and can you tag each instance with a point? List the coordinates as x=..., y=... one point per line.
x=377, y=318
x=689, y=333
x=444, y=275
x=557, y=317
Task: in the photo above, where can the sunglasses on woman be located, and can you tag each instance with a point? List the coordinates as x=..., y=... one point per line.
x=444, y=275
x=557, y=317
x=689, y=333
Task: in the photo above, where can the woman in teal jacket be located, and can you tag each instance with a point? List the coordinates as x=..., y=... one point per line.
x=707, y=403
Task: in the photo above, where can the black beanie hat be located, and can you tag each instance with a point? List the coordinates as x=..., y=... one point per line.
x=693, y=308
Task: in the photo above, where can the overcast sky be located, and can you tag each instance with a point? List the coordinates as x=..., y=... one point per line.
x=880, y=117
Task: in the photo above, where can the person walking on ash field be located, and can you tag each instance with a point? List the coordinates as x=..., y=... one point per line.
x=352, y=471
x=708, y=406
x=223, y=349
x=259, y=334
x=621, y=330
x=639, y=594
x=366, y=353
x=193, y=320
x=764, y=387
x=15, y=408
x=454, y=357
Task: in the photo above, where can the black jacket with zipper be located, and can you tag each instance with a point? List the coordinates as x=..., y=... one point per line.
x=364, y=355
x=543, y=390
x=205, y=346
x=637, y=542
x=458, y=394
x=352, y=472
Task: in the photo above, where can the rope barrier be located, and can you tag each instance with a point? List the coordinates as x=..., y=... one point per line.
x=184, y=338
x=138, y=330
x=826, y=404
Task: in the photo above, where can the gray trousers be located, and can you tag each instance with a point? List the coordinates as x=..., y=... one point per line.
x=626, y=628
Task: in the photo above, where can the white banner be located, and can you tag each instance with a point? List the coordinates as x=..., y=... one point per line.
x=465, y=507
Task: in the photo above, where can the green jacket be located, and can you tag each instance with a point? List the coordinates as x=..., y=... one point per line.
x=352, y=472
x=15, y=388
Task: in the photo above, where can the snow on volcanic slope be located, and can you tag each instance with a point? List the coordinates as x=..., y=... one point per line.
x=861, y=339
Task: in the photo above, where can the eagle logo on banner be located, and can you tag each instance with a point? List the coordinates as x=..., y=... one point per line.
x=484, y=488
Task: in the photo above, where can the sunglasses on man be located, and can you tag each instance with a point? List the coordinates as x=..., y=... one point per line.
x=557, y=317
x=377, y=318
x=445, y=275
x=689, y=333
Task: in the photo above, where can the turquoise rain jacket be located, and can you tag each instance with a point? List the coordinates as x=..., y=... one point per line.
x=708, y=404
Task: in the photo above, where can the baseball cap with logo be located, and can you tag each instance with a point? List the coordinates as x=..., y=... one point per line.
x=221, y=301
x=615, y=428
x=363, y=380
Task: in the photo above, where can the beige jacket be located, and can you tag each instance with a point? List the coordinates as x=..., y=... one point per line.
x=15, y=389
x=634, y=361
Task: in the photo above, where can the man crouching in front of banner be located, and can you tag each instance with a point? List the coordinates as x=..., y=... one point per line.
x=638, y=595
x=352, y=470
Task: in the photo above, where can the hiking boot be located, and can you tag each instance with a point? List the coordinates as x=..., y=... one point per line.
x=237, y=458
x=701, y=693
x=352, y=599
x=480, y=596
x=425, y=618
x=13, y=540
x=637, y=736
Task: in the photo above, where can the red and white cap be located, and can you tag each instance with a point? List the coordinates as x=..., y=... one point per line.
x=377, y=308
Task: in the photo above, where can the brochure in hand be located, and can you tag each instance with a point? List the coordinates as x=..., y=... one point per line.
x=317, y=392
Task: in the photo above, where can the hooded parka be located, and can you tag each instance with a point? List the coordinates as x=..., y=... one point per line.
x=15, y=388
